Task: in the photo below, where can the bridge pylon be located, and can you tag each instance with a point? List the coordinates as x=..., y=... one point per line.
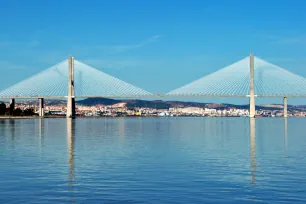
x=252, y=111
x=71, y=97
x=12, y=106
x=41, y=111
x=285, y=107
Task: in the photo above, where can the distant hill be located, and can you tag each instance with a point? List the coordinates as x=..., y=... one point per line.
x=159, y=104
x=96, y=101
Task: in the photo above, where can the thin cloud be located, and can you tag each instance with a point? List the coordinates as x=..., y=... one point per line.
x=31, y=44
x=78, y=49
x=288, y=40
x=116, y=49
x=119, y=63
x=34, y=43
x=292, y=40
x=6, y=65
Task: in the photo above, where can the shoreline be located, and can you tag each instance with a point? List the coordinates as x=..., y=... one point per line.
x=28, y=117
x=38, y=117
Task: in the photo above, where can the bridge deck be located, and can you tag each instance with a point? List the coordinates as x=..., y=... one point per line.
x=158, y=96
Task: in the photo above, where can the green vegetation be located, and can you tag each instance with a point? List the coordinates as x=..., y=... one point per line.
x=26, y=112
x=16, y=112
x=2, y=109
x=11, y=109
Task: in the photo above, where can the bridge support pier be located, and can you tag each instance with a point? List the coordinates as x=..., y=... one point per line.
x=12, y=106
x=70, y=108
x=285, y=107
x=41, y=111
x=252, y=110
x=71, y=99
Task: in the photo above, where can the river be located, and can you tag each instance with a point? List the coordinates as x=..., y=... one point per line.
x=153, y=160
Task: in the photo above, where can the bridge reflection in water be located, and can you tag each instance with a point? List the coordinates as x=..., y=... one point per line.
x=286, y=133
x=70, y=142
x=11, y=131
x=253, y=146
x=253, y=149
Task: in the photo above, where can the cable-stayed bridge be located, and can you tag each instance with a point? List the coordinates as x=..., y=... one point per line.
x=234, y=81
x=87, y=82
x=250, y=77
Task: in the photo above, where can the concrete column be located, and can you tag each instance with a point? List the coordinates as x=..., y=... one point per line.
x=285, y=107
x=41, y=108
x=71, y=100
x=12, y=106
x=252, y=92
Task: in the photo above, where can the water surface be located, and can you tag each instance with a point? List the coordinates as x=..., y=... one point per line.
x=153, y=160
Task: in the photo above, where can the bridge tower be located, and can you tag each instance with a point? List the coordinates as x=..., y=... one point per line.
x=71, y=97
x=285, y=107
x=12, y=105
x=252, y=111
x=41, y=111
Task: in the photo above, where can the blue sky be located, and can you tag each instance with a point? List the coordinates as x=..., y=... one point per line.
x=156, y=45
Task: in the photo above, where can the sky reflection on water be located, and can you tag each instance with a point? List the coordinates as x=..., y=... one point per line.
x=153, y=160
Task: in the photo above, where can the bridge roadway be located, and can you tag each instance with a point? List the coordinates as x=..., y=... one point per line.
x=157, y=96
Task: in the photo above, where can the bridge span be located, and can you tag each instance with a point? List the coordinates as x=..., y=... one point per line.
x=250, y=77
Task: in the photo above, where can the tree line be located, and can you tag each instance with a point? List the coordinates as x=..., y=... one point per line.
x=11, y=111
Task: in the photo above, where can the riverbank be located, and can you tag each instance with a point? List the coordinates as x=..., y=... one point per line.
x=28, y=117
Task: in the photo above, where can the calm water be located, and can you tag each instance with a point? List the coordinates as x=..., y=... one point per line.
x=153, y=160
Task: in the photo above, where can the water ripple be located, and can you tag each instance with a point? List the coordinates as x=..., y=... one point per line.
x=153, y=160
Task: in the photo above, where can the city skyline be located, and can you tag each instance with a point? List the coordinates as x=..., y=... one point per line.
x=125, y=108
